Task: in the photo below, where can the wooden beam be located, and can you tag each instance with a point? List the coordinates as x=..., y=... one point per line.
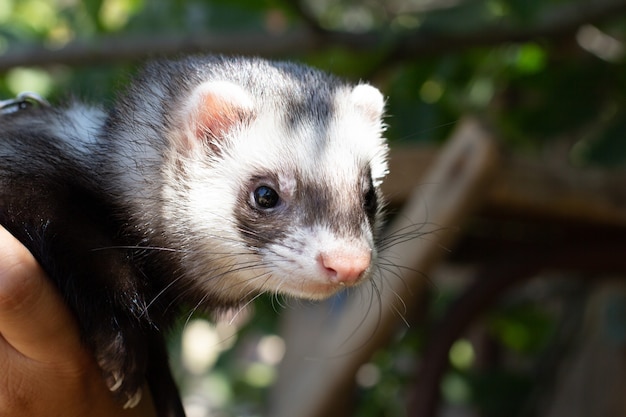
x=525, y=187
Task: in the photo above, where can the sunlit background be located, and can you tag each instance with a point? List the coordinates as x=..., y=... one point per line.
x=551, y=83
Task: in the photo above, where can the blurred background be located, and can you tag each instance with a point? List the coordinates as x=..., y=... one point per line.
x=524, y=311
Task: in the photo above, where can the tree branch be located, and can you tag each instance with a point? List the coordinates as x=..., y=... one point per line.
x=562, y=21
x=112, y=49
x=558, y=23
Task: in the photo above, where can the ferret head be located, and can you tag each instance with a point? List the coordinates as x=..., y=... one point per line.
x=273, y=175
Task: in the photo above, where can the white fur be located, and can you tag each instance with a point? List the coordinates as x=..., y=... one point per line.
x=199, y=212
x=353, y=139
x=299, y=272
x=86, y=122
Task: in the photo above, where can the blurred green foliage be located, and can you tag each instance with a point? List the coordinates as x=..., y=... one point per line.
x=564, y=90
x=568, y=87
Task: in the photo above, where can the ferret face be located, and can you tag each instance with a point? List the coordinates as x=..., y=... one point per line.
x=284, y=190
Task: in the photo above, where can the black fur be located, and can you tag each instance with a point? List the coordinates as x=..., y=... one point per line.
x=78, y=237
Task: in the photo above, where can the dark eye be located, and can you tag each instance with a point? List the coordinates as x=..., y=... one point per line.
x=266, y=197
x=369, y=201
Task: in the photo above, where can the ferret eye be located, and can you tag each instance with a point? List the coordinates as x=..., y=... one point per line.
x=266, y=197
x=370, y=201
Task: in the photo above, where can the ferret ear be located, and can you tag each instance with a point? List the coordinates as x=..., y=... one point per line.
x=369, y=100
x=215, y=108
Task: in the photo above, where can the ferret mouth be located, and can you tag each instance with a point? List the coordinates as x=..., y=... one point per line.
x=314, y=290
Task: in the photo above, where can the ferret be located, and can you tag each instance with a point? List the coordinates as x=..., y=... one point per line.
x=210, y=180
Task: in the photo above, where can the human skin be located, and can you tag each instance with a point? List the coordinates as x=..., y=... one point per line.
x=45, y=370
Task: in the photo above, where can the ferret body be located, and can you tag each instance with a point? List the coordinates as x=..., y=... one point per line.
x=211, y=180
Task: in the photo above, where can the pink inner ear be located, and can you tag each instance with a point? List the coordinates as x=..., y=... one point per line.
x=216, y=117
x=216, y=109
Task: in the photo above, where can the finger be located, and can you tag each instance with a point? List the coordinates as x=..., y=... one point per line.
x=34, y=320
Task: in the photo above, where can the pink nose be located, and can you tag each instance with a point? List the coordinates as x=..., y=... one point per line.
x=345, y=267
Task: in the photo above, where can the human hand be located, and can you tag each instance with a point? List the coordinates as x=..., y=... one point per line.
x=45, y=370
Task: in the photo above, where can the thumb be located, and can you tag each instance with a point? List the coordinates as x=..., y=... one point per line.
x=34, y=320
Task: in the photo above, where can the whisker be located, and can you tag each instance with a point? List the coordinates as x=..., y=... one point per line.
x=243, y=307
x=159, y=294
x=137, y=247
